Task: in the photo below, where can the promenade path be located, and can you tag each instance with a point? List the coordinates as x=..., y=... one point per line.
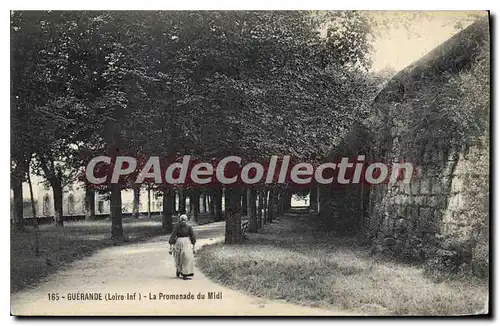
x=146, y=270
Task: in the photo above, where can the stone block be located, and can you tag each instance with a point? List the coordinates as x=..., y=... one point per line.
x=396, y=211
x=442, y=203
x=390, y=241
x=437, y=187
x=405, y=199
x=415, y=187
x=426, y=186
x=428, y=156
x=433, y=201
x=425, y=215
x=404, y=211
x=457, y=184
x=411, y=212
x=439, y=214
x=454, y=203
x=428, y=228
x=414, y=241
x=386, y=225
x=400, y=225
x=406, y=188
x=418, y=200
x=441, y=157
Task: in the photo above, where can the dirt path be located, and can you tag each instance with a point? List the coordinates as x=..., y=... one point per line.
x=147, y=270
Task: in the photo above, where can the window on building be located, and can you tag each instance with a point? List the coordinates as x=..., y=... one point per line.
x=100, y=206
x=46, y=205
x=71, y=204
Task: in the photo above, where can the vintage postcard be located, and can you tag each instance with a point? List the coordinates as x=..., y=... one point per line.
x=250, y=163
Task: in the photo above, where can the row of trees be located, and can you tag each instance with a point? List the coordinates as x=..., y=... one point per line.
x=165, y=83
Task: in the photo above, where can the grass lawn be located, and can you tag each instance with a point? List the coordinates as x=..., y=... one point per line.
x=60, y=246
x=290, y=260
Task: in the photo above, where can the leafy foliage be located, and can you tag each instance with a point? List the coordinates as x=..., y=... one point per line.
x=454, y=114
x=208, y=83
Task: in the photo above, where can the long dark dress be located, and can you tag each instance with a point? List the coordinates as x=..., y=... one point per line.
x=183, y=239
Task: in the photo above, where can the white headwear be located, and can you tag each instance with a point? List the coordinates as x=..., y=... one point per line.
x=183, y=218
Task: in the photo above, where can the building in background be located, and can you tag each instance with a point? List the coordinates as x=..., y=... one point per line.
x=74, y=200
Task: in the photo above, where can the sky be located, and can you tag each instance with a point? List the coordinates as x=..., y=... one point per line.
x=397, y=45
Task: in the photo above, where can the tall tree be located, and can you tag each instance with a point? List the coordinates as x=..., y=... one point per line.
x=168, y=209
x=253, y=226
x=137, y=200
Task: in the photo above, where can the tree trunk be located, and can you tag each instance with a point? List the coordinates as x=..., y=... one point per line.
x=287, y=199
x=113, y=138
x=195, y=202
x=18, y=175
x=218, y=204
x=244, y=204
x=253, y=225
x=54, y=176
x=89, y=203
x=273, y=204
x=149, y=201
x=182, y=202
x=168, y=210
x=260, y=207
x=211, y=206
x=270, y=206
x=325, y=202
x=58, y=201
x=34, y=216
x=265, y=206
x=116, y=212
x=190, y=206
x=137, y=200
x=279, y=203
x=233, y=217
x=204, y=199
x=313, y=198
x=32, y=199
x=318, y=207
x=226, y=203
x=17, y=187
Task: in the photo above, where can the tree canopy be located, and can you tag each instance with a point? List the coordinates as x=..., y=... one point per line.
x=252, y=83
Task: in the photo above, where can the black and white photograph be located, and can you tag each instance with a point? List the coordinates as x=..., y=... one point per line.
x=250, y=162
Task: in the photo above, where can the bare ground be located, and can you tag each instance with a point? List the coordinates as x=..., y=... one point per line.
x=144, y=269
x=58, y=247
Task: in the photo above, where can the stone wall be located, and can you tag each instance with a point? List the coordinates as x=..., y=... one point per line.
x=435, y=115
x=430, y=216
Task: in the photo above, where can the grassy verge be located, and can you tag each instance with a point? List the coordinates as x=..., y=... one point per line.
x=292, y=261
x=60, y=246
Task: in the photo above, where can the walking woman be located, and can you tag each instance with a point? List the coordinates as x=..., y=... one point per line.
x=182, y=243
